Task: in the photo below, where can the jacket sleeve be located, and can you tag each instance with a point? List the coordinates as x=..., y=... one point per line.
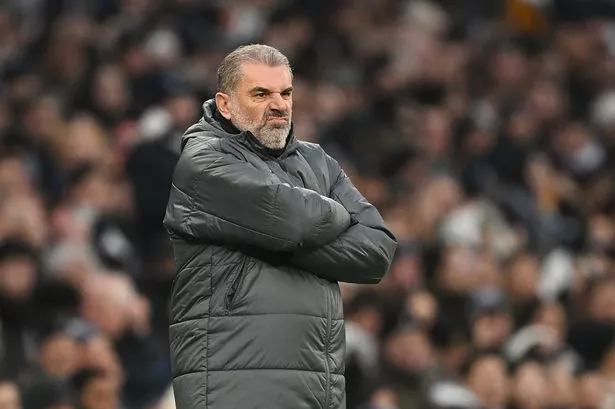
x=219, y=199
x=363, y=253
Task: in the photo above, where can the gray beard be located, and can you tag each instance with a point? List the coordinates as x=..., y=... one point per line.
x=273, y=138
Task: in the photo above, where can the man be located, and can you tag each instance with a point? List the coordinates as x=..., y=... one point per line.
x=263, y=227
x=9, y=394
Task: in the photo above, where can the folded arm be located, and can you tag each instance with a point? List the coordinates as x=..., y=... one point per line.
x=361, y=254
x=217, y=198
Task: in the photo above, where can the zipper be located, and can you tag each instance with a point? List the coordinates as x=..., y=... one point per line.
x=235, y=285
x=327, y=341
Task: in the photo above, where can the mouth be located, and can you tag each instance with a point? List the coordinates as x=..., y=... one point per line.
x=277, y=119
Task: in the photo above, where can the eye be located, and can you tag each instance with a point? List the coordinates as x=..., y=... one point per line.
x=286, y=93
x=260, y=93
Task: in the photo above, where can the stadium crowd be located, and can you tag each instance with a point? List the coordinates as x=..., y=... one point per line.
x=484, y=131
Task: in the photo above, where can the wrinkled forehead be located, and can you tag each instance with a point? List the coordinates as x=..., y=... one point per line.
x=274, y=78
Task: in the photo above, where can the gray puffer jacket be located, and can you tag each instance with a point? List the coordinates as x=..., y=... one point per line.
x=261, y=240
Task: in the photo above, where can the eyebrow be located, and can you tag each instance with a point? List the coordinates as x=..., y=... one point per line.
x=265, y=90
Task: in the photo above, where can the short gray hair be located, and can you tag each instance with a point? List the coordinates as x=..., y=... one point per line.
x=229, y=71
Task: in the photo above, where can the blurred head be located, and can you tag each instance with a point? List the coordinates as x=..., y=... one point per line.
x=84, y=142
x=332, y=101
x=405, y=272
x=9, y=395
x=90, y=188
x=422, y=307
x=456, y=272
x=444, y=193
x=523, y=277
x=9, y=27
x=43, y=118
x=65, y=56
x=60, y=355
x=601, y=232
x=601, y=301
x=255, y=93
x=591, y=390
x=571, y=138
x=561, y=384
x=137, y=8
x=464, y=270
x=18, y=271
x=578, y=149
x=409, y=350
x=548, y=101
x=24, y=216
x=365, y=311
x=522, y=126
x=96, y=390
x=98, y=353
x=384, y=398
x=450, y=338
x=108, y=299
x=110, y=91
x=530, y=388
x=491, y=321
x=21, y=86
x=487, y=377
x=552, y=315
x=607, y=366
x=437, y=128
x=183, y=109
x=14, y=176
x=510, y=66
x=491, y=329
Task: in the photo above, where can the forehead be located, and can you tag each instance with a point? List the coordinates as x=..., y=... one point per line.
x=7, y=388
x=262, y=75
x=488, y=363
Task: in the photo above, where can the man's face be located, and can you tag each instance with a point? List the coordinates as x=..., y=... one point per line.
x=9, y=396
x=99, y=354
x=489, y=381
x=491, y=329
x=262, y=103
x=59, y=355
x=410, y=351
x=17, y=278
x=530, y=387
x=100, y=393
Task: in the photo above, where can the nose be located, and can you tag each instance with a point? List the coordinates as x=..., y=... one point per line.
x=277, y=102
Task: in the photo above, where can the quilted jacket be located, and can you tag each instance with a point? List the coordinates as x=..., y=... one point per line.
x=261, y=240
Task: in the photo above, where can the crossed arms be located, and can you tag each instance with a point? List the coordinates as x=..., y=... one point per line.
x=217, y=198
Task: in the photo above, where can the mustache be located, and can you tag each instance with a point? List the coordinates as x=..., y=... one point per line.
x=275, y=113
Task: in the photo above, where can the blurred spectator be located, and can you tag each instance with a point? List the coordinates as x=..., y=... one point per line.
x=18, y=276
x=488, y=379
x=484, y=131
x=48, y=392
x=59, y=355
x=9, y=395
x=96, y=390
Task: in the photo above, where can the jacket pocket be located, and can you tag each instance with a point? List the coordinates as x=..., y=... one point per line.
x=235, y=285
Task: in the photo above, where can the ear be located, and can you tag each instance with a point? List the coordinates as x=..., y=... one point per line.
x=222, y=102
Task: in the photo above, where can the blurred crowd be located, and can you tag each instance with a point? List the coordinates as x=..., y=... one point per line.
x=483, y=130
